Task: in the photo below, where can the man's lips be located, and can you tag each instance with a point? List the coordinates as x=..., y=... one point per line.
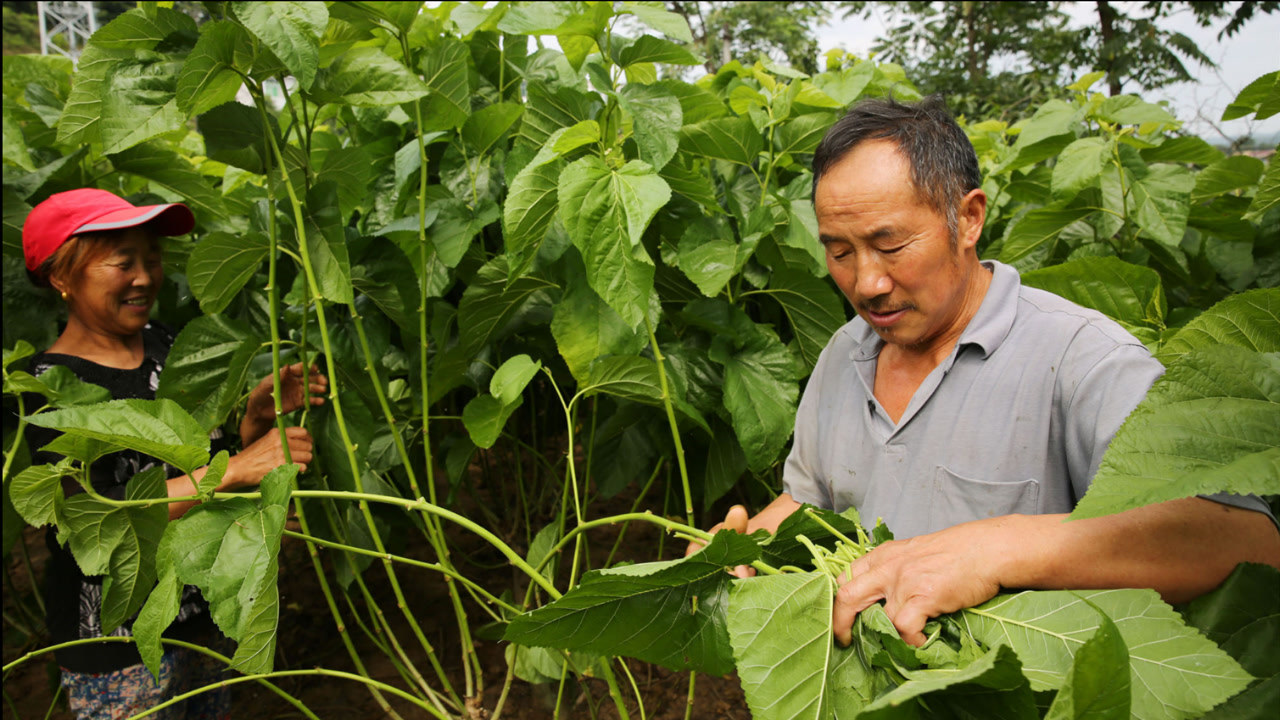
x=883, y=319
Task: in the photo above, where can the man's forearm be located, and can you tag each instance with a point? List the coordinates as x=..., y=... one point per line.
x=1182, y=549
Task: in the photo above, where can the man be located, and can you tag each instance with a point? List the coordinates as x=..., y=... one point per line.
x=967, y=411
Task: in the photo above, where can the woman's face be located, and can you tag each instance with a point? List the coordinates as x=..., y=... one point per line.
x=115, y=291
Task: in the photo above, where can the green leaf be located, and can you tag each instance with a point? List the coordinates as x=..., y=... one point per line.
x=291, y=30
x=166, y=169
x=234, y=134
x=37, y=495
x=814, y=311
x=1176, y=672
x=119, y=542
x=1163, y=200
x=208, y=78
x=780, y=629
x=846, y=85
x=207, y=368
x=710, y=262
x=1183, y=150
x=802, y=135
x=367, y=77
x=487, y=125
x=490, y=306
x=782, y=548
x=532, y=200
x=1124, y=292
x=220, y=265
x=1045, y=135
x=1249, y=320
x=157, y=614
x=1268, y=195
x=666, y=627
x=15, y=147
x=444, y=70
x=1243, y=616
x=1131, y=110
x=387, y=277
x=213, y=475
x=548, y=110
x=628, y=377
x=81, y=116
x=656, y=118
x=584, y=133
x=1080, y=165
x=350, y=169
x=664, y=21
x=1261, y=96
x=1098, y=686
x=732, y=139
x=139, y=102
x=229, y=550
x=693, y=184
x=650, y=49
x=1026, y=235
x=586, y=328
x=1087, y=81
x=66, y=390
x=159, y=428
x=725, y=464
x=1225, y=175
x=760, y=394
x=510, y=380
x=990, y=686
x=1207, y=426
x=485, y=416
x=605, y=212
x=327, y=243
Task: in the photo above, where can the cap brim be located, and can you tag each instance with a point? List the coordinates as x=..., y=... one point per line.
x=173, y=219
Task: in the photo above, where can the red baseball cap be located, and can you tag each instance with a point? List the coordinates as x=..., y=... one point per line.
x=66, y=214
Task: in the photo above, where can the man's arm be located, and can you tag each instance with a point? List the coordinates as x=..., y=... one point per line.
x=1182, y=549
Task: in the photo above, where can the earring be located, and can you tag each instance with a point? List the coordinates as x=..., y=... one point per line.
x=64, y=296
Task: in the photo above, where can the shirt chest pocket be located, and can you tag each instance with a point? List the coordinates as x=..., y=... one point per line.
x=957, y=499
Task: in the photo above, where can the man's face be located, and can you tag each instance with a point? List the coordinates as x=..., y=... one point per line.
x=892, y=255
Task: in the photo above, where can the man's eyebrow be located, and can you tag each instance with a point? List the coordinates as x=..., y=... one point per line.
x=882, y=232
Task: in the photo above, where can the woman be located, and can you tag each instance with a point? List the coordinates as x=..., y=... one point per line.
x=102, y=255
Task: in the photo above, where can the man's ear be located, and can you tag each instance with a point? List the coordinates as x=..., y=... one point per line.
x=970, y=217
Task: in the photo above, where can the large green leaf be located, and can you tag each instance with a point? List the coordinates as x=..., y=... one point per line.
x=732, y=139
x=387, y=277
x=1262, y=96
x=490, y=306
x=166, y=169
x=675, y=610
x=1176, y=672
x=1025, y=235
x=119, y=542
x=1268, y=195
x=628, y=377
x=1183, y=150
x=1250, y=320
x=1163, y=201
x=1225, y=175
x=1243, y=616
x=229, y=550
x=486, y=415
x=444, y=70
x=82, y=113
x=220, y=265
x=327, y=243
x=656, y=118
x=650, y=49
x=15, y=147
x=1079, y=165
x=1131, y=110
x=664, y=21
x=814, y=310
x=760, y=393
x=1125, y=292
x=37, y=494
x=159, y=428
x=802, y=135
x=291, y=30
x=549, y=109
x=234, y=134
x=350, y=169
x=605, y=212
x=1208, y=425
x=487, y=125
x=586, y=328
x=367, y=77
x=207, y=368
x=139, y=102
x=208, y=78
x=532, y=200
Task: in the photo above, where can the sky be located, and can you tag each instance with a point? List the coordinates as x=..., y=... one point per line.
x=1250, y=53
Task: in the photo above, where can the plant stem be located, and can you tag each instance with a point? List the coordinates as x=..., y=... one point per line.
x=634, y=507
x=671, y=419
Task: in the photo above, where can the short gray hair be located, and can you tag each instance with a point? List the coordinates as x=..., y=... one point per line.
x=944, y=166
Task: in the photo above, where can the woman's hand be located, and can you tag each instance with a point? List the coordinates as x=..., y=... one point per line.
x=260, y=414
x=247, y=467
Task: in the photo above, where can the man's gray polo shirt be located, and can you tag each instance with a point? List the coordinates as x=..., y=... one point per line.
x=1015, y=420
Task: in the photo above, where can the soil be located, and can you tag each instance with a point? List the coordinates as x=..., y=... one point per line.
x=308, y=639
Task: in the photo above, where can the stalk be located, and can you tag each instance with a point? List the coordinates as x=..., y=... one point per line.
x=671, y=419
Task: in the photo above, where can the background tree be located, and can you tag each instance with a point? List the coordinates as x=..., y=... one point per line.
x=782, y=31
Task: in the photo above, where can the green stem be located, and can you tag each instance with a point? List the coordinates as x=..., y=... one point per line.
x=634, y=507
x=12, y=452
x=671, y=419
x=176, y=643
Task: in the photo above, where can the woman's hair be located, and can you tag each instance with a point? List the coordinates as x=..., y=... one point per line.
x=68, y=262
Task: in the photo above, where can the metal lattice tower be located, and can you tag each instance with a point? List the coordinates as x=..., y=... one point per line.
x=75, y=21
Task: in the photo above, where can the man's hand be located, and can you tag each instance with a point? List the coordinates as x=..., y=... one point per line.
x=922, y=577
x=735, y=520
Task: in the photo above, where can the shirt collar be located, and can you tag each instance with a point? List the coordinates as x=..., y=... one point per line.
x=988, y=328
